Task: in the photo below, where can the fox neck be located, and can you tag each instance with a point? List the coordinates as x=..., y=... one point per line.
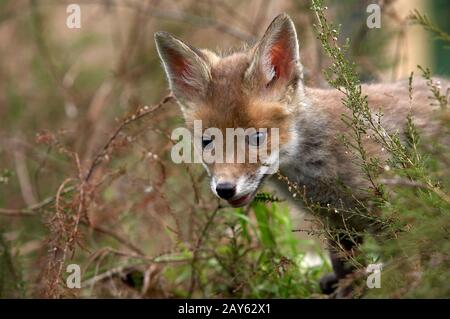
x=309, y=151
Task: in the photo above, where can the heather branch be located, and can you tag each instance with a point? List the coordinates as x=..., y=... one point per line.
x=142, y=112
x=417, y=18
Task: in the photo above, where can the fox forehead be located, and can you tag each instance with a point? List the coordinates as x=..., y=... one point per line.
x=226, y=89
x=252, y=113
x=229, y=103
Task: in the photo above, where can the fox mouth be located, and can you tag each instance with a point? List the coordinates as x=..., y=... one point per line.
x=246, y=198
x=242, y=200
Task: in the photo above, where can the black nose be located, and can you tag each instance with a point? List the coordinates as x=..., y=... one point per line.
x=225, y=190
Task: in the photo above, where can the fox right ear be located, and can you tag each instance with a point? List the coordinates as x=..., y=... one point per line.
x=188, y=74
x=276, y=59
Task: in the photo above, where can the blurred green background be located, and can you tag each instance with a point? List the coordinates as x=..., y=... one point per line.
x=151, y=228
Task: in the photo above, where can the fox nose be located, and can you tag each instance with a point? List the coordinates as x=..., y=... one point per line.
x=226, y=190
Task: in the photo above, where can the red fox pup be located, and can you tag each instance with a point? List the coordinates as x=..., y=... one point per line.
x=262, y=87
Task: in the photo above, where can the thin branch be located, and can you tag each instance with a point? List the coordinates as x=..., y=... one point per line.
x=140, y=114
x=33, y=209
x=117, y=237
x=198, y=246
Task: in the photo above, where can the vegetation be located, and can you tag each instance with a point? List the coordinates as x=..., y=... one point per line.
x=86, y=176
x=414, y=200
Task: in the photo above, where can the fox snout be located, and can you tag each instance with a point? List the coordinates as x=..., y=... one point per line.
x=237, y=192
x=226, y=190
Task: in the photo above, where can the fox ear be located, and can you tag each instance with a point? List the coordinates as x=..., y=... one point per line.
x=188, y=73
x=276, y=59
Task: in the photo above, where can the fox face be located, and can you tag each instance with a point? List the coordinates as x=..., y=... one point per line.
x=255, y=92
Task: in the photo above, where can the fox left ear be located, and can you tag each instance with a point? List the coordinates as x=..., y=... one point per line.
x=276, y=59
x=188, y=73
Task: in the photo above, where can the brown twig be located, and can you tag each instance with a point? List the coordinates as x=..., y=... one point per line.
x=117, y=237
x=140, y=114
x=197, y=248
x=33, y=209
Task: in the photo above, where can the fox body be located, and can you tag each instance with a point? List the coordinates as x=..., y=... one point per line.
x=262, y=87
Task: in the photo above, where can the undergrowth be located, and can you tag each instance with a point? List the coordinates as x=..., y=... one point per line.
x=413, y=196
x=140, y=226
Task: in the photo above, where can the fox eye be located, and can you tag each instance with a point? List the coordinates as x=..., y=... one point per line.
x=207, y=142
x=257, y=139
